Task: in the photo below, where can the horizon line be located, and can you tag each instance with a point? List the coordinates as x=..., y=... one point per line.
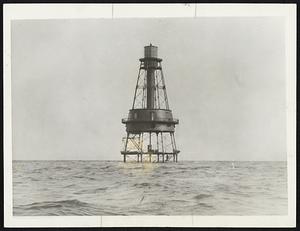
x=144, y=162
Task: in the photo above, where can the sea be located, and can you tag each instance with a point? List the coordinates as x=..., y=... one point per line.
x=89, y=188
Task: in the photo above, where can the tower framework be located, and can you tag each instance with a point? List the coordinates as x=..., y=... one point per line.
x=150, y=125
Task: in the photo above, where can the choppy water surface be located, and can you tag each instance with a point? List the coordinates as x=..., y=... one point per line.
x=116, y=188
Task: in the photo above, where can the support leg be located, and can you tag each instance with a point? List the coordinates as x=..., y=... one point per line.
x=172, y=142
x=162, y=145
x=125, y=148
x=126, y=142
x=157, y=144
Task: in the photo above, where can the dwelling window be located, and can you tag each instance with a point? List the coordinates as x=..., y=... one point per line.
x=135, y=115
x=152, y=115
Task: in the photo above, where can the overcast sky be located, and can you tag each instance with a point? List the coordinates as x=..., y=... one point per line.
x=73, y=81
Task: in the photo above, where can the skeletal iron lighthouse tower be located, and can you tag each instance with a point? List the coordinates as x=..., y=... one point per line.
x=150, y=124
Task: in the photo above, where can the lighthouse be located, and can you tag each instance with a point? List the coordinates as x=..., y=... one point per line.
x=150, y=125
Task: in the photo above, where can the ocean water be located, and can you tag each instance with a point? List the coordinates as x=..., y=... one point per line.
x=114, y=188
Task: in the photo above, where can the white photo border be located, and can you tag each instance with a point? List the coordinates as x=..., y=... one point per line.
x=80, y=11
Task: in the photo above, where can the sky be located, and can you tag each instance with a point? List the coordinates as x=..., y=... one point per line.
x=73, y=81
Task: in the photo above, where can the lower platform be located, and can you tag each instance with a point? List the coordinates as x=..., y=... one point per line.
x=153, y=157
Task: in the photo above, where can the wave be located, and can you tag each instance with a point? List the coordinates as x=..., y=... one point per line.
x=205, y=205
x=201, y=196
x=141, y=185
x=85, y=177
x=167, y=173
x=54, y=204
x=93, y=191
x=62, y=168
x=105, y=167
x=69, y=186
x=39, y=170
x=179, y=200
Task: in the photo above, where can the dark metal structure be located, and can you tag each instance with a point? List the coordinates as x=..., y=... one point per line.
x=150, y=124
